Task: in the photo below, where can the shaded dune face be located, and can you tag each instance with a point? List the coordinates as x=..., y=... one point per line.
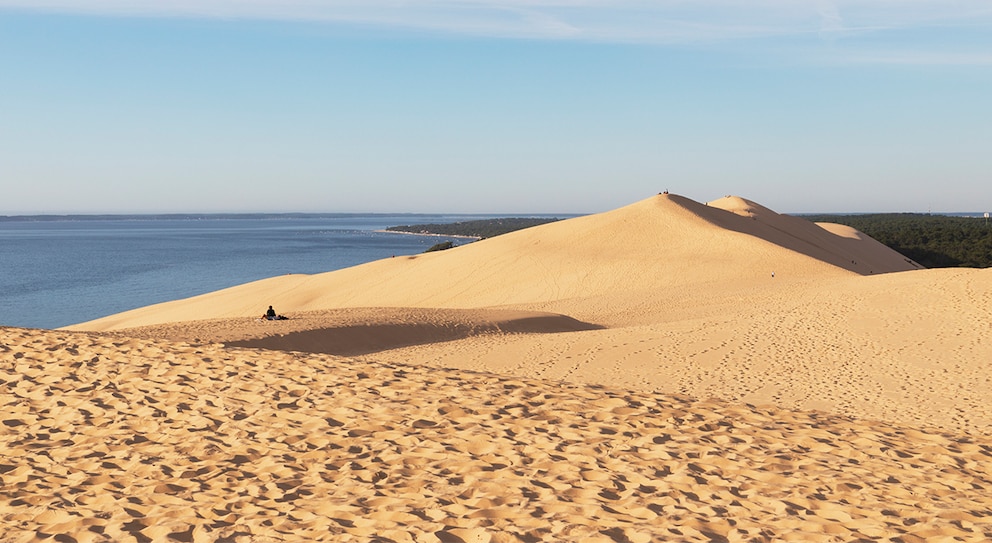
x=360, y=339
x=842, y=248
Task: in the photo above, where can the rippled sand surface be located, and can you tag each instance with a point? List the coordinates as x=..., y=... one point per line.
x=120, y=440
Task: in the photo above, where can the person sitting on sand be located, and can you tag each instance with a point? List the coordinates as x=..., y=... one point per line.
x=272, y=315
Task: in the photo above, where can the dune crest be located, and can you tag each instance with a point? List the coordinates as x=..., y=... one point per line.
x=839, y=245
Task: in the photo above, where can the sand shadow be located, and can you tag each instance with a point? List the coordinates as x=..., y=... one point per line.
x=360, y=339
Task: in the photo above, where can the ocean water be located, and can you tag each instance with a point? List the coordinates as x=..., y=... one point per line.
x=61, y=271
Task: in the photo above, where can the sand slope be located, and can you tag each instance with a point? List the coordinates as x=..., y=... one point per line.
x=637, y=252
x=911, y=347
x=663, y=295
x=152, y=441
x=836, y=244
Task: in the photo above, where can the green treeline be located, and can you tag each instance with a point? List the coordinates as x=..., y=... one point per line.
x=443, y=246
x=934, y=241
x=475, y=229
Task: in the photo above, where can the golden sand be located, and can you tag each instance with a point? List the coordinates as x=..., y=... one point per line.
x=638, y=375
x=163, y=441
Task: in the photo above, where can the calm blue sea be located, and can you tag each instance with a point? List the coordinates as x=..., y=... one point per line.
x=62, y=271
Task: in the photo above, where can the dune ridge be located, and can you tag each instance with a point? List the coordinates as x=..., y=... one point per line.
x=841, y=246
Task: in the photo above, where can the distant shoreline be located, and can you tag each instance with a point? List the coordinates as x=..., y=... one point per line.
x=429, y=234
x=75, y=217
x=476, y=229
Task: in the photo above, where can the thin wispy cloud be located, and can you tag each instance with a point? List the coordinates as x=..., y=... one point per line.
x=920, y=58
x=625, y=21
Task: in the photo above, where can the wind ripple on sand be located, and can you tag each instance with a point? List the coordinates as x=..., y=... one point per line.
x=113, y=438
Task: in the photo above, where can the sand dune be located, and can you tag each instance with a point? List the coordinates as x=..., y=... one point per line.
x=663, y=295
x=666, y=371
x=643, y=250
x=836, y=244
x=911, y=347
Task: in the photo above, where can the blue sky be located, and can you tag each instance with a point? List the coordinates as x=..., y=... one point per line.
x=513, y=106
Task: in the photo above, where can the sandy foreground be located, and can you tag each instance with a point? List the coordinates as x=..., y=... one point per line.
x=160, y=441
x=669, y=371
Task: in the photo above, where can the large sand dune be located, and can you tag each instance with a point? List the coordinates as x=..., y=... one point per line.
x=666, y=371
x=640, y=252
x=727, y=300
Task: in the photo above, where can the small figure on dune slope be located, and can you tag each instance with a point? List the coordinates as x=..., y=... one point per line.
x=271, y=315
